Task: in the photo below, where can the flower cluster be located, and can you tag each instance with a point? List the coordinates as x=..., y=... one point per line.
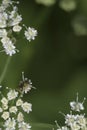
x=12, y=109
x=75, y=121
x=11, y=23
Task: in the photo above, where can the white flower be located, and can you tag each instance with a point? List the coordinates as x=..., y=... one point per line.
x=4, y=101
x=6, y=2
x=12, y=94
x=9, y=48
x=30, y=34
x=27, y=107
x=70, y=119
x=64, y=128
x=13, y=13
x=15, y=20
x=5, y=115
x=4, y=107
x=10, y=124
x=81, y=120
x=24, y=126
x=20, y=117
x=3, y=33
x=76, y=105
x=0, y=86
x=27, y=87
x=5, y=40
x=19, y=102
x=75, y=126
x=3, y=20
x=17, y=28
x=61, y=128
x=13, y=109
x=2, y=8
x=1, y=110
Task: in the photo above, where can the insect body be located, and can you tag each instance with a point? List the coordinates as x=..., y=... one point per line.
x=25, y=85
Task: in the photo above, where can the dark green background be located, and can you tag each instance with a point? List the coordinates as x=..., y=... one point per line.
x=56, y=62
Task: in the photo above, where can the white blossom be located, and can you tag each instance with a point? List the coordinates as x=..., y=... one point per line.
x=4, y=107
x=3, y=19
x=75, y=126
x=16, y=20
x=5, y=40
x=17, y=28
x=27, y=88
x=24, y=126
x=10, y=124
x=5, y=115
x=12, y=94
x=3, y=33
x=4, y=101
x=13, y=109
x=10, y=49
x=19, y=102
x=76, y=105
x=0, y=86
x=30, y=33
x=2, y=8
x=12, y=13
x=64, y=128
x=81, y=120
x=1, y=109
x=27, y=107
x=20, y=117
x=6, y=2
x=70, y=119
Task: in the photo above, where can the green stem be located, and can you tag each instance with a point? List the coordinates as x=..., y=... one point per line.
x=42, y=125
x=5, y=69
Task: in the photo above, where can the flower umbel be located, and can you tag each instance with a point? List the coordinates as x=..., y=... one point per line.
x=12, y=109
x=74, y=121
x=11, y=21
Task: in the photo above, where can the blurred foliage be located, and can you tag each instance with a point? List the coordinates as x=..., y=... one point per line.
x=79, y=25
x=56, y=61
x=46, y=2
x=68, y=5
